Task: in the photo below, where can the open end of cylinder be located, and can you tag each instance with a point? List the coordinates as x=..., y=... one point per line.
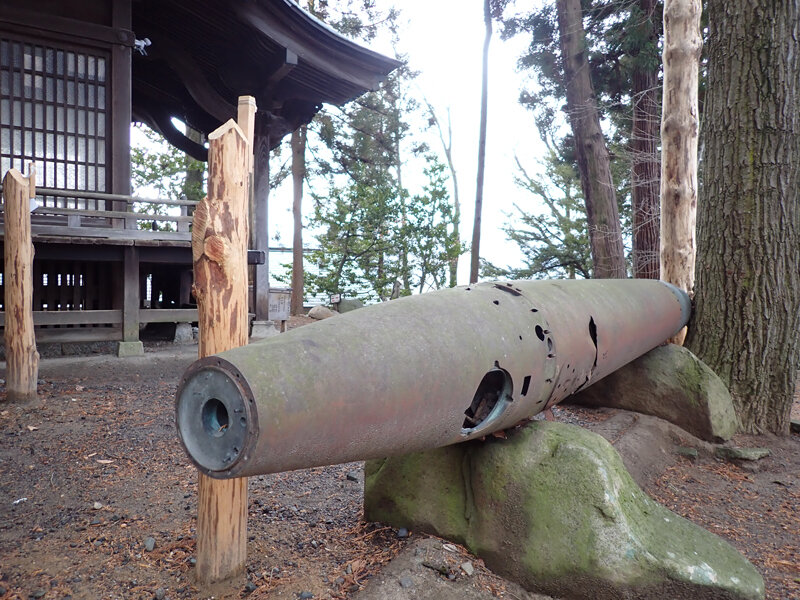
x=214, y=419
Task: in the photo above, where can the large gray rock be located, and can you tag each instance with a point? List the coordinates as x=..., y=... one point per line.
x=553, y=508
x=321, y=312
x=671, y=383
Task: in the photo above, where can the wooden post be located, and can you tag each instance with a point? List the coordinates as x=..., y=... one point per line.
x=246, y=119
x=22, y=359
x=261, y=144
x=679, y=129
x=219, y=253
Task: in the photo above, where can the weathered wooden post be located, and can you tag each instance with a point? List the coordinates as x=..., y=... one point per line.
x=219, y=253
x=22, y=359
x=679, y=131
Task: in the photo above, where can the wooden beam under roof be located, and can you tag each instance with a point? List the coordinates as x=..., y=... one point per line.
x=289, y=63
x=195, y=81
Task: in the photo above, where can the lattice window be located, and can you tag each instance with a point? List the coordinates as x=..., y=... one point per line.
x=54, y=111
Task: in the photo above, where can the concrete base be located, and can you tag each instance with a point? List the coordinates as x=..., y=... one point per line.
x=264, y=329
x=126, y=349
x=183, y=333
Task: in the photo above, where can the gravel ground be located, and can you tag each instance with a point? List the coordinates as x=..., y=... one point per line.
x=98, y=499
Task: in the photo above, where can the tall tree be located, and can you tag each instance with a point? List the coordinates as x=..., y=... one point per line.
x=641, y=43
x=553, y=241
x=747, y=315
x=455, y=236
x=593, y=160
x=298, y=145
x=621, y=45
x=430, y=216
x=476, y=226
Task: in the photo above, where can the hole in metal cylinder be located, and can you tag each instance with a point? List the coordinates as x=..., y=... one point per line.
x=525, y=383
x=494, y=386
x=215, y=418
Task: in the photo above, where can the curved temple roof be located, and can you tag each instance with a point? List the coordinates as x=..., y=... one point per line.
x=204, y=54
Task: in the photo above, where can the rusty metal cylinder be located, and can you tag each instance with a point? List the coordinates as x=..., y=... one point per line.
x=416, y=373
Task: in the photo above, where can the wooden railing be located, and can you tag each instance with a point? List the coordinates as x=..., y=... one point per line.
x=60, y=214
x=95, y=218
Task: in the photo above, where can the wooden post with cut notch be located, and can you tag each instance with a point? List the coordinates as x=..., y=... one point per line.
x=219, y=253
x=22, y=359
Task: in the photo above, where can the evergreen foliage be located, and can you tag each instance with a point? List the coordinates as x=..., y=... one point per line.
x=162, y=171
x=376, y=240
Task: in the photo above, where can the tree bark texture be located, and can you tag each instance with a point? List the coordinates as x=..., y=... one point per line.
x=219, y=252
x=298, y=176
x=645, y=160
x=679, y=132
x=602, y=214
x=476, y=225
x=22, y=359
x=747, y=314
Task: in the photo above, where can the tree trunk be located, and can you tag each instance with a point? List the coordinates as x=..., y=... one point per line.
x=454, y=243
x=22, y=359
x=398, y=163
x=476, y=226
x=219, y=253
x=645, y=162
x=602, y=214
x=747, y=315
x=679, y=128
x=298, y=176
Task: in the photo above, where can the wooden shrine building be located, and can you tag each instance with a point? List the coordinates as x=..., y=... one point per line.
x=74, y=74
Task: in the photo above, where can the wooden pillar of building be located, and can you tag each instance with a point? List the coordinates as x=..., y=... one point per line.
x=130, y=302
x=129, y=296
x=22, y=359
x=219, y=254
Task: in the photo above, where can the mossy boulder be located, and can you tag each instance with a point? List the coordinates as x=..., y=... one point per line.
x=346, y=305
x=671, y=383
x=553, y=508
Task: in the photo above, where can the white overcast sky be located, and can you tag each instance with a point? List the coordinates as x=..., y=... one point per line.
x=444, y=42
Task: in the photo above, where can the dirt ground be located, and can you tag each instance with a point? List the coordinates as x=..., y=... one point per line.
x=98, y=500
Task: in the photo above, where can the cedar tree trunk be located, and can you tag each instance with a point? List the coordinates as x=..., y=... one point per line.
x=602, y=214
x=747, y=299
x=645, y=162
